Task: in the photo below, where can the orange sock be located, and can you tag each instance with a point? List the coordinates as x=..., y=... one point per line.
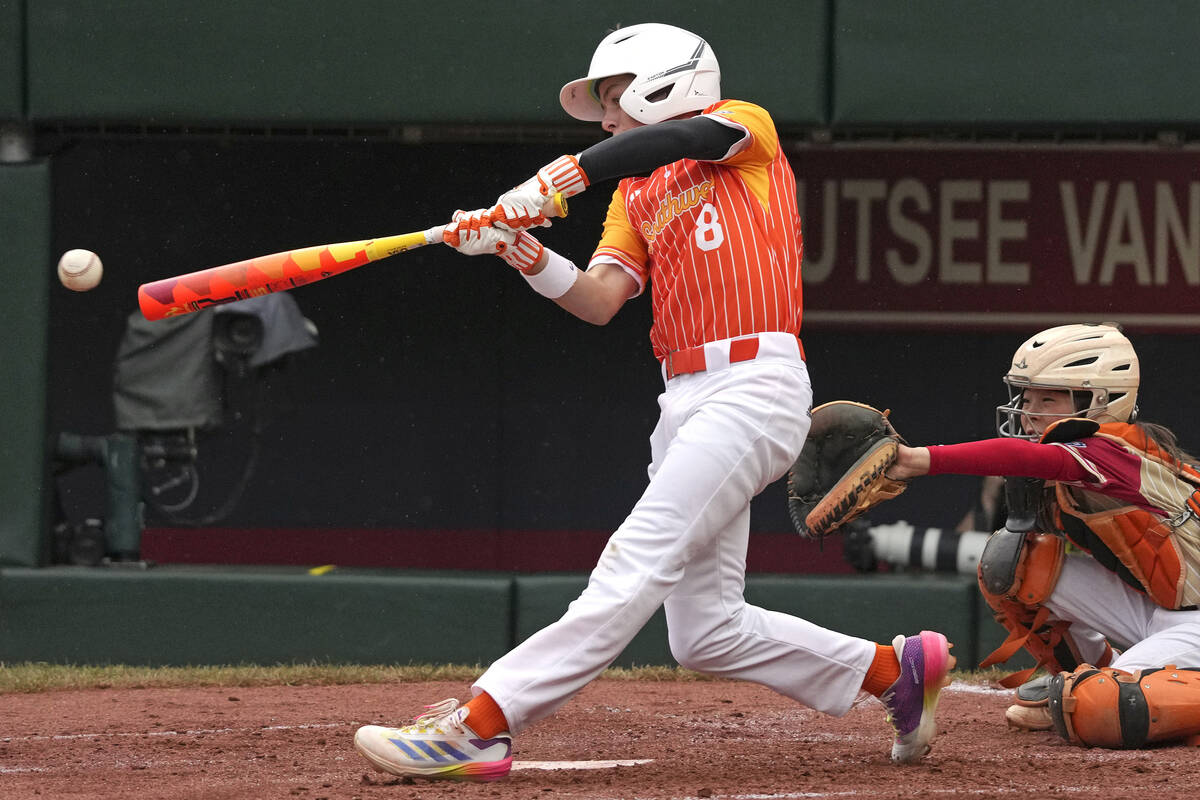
x=883, y=672
x=486, y=718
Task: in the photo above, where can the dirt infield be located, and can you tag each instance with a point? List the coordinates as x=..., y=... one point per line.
x=702, y=739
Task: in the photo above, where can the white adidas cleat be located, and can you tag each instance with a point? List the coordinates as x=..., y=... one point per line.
x=437, y=745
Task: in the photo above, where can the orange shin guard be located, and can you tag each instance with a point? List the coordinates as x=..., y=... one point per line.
x=1016, y=576
x=1117, y=709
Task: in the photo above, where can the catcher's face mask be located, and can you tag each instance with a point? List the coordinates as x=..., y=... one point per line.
x=1031, y=408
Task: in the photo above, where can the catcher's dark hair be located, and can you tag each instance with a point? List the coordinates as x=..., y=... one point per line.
x=1166, y=440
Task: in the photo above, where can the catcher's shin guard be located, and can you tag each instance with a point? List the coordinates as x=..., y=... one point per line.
x=1021, y=566
x=1017, y=573
x=1116, y=709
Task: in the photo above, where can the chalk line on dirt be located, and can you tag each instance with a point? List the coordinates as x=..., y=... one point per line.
x=551, y=765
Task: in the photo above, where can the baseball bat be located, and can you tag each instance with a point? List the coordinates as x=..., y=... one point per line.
x=184, y=294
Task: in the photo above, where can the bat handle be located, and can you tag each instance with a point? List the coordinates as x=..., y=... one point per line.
x=556, y=206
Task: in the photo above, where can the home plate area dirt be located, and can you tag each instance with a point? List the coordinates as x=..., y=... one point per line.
x=617, y=739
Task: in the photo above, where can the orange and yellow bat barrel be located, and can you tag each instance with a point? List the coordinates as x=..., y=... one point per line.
x=278, y=272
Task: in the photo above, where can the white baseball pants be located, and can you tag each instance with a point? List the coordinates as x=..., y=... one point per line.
x=1089, y=594
x=723, y=435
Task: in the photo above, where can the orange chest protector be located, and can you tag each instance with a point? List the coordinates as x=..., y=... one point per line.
x=1155, y=554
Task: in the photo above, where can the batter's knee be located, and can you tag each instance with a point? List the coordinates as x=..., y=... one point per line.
x=702, y=648
x=698, y=654
x=1117, y=709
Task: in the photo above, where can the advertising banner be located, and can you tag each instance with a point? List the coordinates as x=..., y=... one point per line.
x=999, y=238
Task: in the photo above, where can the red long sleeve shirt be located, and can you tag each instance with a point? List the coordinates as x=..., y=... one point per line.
x=1006, y=457
x=1093, y=463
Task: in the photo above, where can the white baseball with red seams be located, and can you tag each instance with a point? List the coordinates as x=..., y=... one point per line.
x=80, y=270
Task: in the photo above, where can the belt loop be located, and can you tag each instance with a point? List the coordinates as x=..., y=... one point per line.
x=743, y=349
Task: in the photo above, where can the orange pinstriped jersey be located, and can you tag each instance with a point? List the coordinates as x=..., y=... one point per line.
x=719, y=241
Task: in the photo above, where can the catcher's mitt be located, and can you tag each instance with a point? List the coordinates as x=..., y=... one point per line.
x=840, y=472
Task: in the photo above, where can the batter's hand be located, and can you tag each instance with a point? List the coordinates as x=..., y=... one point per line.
x=523, y=206
x=472, y=234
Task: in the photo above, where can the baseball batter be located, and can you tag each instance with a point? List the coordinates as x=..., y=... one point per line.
x=710, y=228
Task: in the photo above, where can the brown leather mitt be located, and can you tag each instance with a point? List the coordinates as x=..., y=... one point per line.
x=839, y=474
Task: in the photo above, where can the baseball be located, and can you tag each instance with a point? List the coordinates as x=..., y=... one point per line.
x=80, y=270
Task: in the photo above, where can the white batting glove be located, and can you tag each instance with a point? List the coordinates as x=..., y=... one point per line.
x=523, y=253
x=527, y=204
x=472, y=234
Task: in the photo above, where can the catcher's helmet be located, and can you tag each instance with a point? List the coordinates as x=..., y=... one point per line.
x=674, y=72
x=1096, y=363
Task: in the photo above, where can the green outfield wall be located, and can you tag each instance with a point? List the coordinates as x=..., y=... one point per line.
x=379, y=62
x=968, y=63
x=172, y=617
x=814, y=63
x=222, y=615
x=12, y=60
x=27, y=267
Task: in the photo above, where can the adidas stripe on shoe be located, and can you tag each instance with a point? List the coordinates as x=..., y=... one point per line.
x=439, y=744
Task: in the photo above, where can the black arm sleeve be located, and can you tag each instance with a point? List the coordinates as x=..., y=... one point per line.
x=643, y=150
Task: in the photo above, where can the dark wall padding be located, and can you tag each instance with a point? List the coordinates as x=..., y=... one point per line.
x=381, y=62
x=24, y=306
x=972, y=63
x=444, y=393
x=12, y=61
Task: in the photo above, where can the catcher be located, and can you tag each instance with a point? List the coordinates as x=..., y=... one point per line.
x=1086, y=472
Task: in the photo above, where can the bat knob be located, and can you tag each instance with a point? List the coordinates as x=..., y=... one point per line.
x=556, y=206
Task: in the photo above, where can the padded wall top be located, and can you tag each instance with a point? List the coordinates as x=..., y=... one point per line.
x=968, y=62
x=11, y=61
x=381, y=62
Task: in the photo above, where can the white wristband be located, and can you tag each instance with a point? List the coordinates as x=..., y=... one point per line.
x=556, y=278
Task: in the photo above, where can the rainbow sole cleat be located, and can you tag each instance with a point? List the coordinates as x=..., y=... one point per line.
x=438, y=745
x=925, y=664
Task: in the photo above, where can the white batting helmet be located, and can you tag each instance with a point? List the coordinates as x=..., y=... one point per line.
x=674, y=72
x=1096, y=363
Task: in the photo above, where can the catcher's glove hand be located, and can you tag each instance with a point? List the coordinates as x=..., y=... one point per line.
x=840, y=472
